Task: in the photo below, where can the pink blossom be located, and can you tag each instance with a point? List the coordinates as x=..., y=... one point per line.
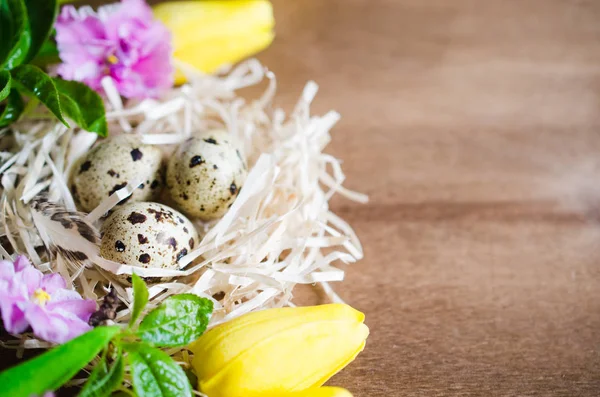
x=30, y=299
x=122, y=41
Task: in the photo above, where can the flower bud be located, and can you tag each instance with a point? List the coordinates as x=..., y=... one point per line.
x=209, y=34
x=316, y=392
x=277, y=351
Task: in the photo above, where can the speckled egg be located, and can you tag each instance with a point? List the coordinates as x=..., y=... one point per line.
x=113, y=163
x=205, y=174
x=149, y=235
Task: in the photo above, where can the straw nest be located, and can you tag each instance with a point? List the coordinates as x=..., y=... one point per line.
x=279, y=232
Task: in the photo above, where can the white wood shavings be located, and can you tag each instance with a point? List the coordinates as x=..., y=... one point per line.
x=9, y=226
x=108, y=204
x=114, y=98
x=278, y=233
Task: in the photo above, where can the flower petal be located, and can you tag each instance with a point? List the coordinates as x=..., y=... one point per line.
x=278, y=350
x=63, y=303
x=30, y=277
x=90, y=73
x=122, y=41
x=76, y=28
x=21, y=263
x=145, y=68
x=63, y=294
x=7, y=270
x=13, y=300
x=324, y=391
x=210, y=34
x=53, y=326
x=13, y=291
x=13, y=297
x=13, y=317
x=127, y=17
x=53, y=282
x=82, y=45
x=155, y=65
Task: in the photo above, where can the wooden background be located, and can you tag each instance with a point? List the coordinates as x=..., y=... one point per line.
x=474, y=125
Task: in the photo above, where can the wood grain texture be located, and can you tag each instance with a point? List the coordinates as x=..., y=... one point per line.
x=475, y=127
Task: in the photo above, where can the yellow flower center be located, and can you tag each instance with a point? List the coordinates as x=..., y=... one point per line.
x=112, y=59
x=40, y=297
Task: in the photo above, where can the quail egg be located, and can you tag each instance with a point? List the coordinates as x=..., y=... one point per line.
x=112, y=164
x=149, y=235
x=205, y=175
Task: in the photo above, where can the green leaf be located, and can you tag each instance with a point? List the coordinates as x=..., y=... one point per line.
x=123, y=393
x=4, y=84
x=12, y=109
x=33, y=80
x=52, y=369
x=178, y=321
x=155, y=374
x=8, y=26
x=14, y=33
x=83, y=105
x=41, y=14
x=47, y=55
x=140, y=297
x=104, y=378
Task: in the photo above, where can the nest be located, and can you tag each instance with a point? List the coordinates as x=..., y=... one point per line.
x=279, y=232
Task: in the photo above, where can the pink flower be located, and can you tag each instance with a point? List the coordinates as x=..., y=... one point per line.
x=122, y=41
x=29, y=298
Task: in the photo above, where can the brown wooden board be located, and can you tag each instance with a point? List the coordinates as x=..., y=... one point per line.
x=475, y=128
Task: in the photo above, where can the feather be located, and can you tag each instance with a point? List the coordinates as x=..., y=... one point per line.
x=65, y=233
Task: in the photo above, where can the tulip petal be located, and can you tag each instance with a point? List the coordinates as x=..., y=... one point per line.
x=278, y=350
x=318, y=392
x=209, y=55
x=213, y=19
x=209, y=34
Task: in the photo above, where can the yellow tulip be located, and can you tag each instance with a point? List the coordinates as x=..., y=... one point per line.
x=277, y=351
x=209, y=34
x=317, y=392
